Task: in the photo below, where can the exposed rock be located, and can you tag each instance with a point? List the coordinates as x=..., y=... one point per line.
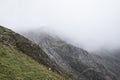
x=81, y=64
x=29, y=48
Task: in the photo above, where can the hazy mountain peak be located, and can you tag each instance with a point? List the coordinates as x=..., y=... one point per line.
x=80, y=63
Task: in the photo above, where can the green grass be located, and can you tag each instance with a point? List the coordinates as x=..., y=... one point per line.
x=14, y=65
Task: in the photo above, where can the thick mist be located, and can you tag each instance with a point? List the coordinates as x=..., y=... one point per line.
x=91, y=24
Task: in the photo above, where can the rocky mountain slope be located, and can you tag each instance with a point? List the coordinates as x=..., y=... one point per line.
x=21, y=59
x=76, y=61
x=111, y=59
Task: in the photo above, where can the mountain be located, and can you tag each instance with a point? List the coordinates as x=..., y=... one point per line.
x=78, y=62
x=21, y=59
x=111, y=59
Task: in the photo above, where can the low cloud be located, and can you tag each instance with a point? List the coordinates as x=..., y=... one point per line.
x=93, y=24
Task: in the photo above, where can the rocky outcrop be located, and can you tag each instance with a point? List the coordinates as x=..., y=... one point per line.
x=78, y=62
x=111, y=60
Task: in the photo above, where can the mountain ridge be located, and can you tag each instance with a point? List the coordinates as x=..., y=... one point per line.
x=28, y=48
x=82, y=65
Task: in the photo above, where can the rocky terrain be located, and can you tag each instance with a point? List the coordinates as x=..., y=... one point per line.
x=22, y=59
x=78, y=62
x=48, y=57
x=111, y=60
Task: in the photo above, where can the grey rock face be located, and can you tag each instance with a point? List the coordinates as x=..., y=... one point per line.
x=111, y=60
x=76, y=61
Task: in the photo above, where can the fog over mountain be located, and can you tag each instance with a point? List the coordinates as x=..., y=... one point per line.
x=92, y=24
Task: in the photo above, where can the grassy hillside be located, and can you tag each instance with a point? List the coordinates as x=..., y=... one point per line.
x=9, y=37
x=21, y=59
x=14, y=65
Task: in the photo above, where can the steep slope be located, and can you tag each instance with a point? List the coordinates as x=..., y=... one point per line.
x=78, y=62
x=111, y=59
x=18, y=58
x=15, y=65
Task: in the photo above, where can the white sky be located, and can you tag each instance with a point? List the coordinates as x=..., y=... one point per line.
x=94, y=23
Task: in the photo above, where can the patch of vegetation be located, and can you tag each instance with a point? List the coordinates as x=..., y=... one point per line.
x=14, y=65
